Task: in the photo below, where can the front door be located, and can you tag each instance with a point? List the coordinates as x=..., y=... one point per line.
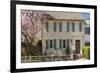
x=77, y=46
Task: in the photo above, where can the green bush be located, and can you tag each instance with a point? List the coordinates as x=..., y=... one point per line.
x=67, y=51
x=86, y=52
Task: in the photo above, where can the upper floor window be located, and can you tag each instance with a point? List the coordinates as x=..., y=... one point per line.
x=54, y=26
x=60, y=26
x=87, y=30
x=73, y=26
x=80, y=27
x=47, y=26
x=67, y=26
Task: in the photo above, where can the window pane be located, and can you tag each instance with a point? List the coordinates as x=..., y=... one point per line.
x=51, y=27
x=87, y=30
x=64, y=44
x=54, y=26
x=87, y=44
x=60, y=26
x=67, y=43
x=64, y=27
x=51, y=44
x=80, y=27
x=73, y=27
x=68, y=27
x=54, y=43
x=60, y=43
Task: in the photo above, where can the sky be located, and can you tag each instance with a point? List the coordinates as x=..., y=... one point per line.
x=86, y=15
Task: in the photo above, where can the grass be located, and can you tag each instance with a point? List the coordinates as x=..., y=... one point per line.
x=86, y=52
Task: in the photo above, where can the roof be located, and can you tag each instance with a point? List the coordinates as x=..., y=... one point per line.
x=65, y=15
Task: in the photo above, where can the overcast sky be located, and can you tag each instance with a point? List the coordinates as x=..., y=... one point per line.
x=86, y=15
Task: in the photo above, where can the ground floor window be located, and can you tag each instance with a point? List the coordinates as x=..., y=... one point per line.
x=51, y=43
x=87, y=43
x=64, y=43
x=57, y=43
x=54, y=43
x=67, y=43
x=60, y=43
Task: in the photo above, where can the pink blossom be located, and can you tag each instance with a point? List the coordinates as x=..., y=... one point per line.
x=31, y=23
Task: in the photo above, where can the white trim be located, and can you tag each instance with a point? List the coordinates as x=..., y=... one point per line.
x=51, y=64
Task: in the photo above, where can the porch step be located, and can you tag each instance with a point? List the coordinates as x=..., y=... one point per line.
x=79, y=56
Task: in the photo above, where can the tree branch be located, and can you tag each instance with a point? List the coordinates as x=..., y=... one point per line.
x=26, y=38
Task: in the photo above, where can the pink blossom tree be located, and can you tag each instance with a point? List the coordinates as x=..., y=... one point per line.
x=31, y=26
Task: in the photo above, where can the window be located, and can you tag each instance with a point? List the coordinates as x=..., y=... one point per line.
x=87, y=30
x=51, y=44
x=64, y=44
x=54, y=26
x=68, y=27
x=60, y=26
x=80, y=27
x=54, y=43
x=67, y=43
x=73, y=27
x=47, y=27
x=60, y=43
x=47, y=44
x=87, y=44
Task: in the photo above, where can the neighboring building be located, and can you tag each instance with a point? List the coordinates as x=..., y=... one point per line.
x=87, y=32
x=63, y=30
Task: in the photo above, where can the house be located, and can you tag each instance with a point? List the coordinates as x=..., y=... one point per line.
x=64, y=30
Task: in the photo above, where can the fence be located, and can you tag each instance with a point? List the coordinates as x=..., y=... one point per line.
x=25, y=59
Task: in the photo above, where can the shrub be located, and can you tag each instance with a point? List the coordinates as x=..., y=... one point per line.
x=67, y=51
x=39, y=43
x=86, y=52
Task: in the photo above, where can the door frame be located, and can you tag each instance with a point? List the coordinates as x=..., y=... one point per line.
x=77, y=51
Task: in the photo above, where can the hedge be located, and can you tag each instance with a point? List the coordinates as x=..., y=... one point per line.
x=86, y=52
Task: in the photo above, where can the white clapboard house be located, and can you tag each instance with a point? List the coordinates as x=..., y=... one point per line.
x=63, y=30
